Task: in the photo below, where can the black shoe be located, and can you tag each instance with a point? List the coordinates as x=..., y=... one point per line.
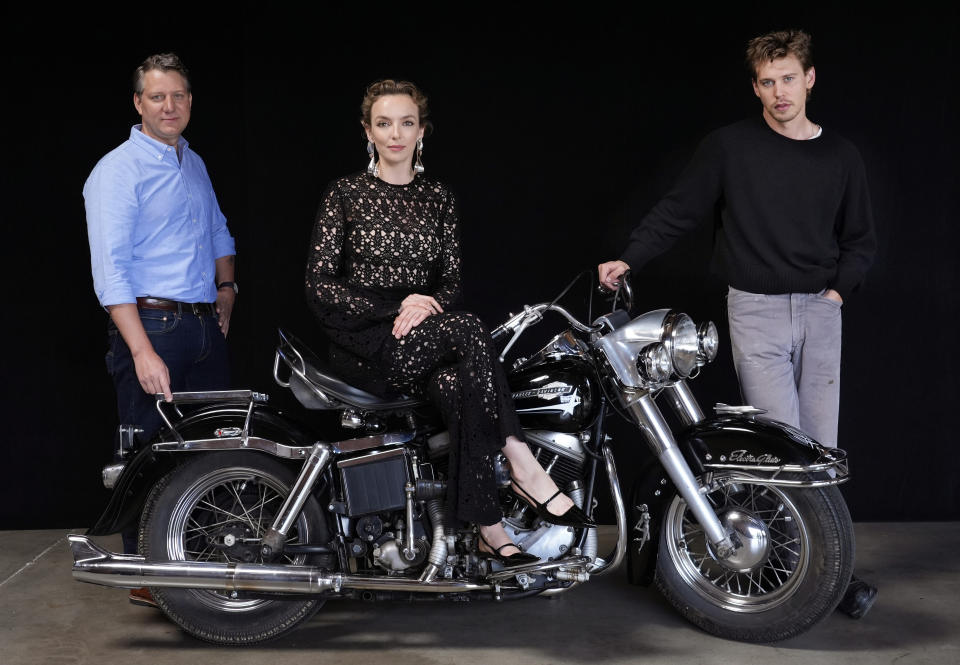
x=519, y=558
x=573, y=517
x=858, y=598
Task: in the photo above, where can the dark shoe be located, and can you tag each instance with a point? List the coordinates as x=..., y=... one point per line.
x=143, y=597
x=519, y=558
x=573, y=517
x=858, y=598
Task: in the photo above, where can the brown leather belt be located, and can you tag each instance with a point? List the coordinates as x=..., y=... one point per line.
x=195, y=308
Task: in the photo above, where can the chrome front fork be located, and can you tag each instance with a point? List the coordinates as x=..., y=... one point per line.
x=314, y=465
x=647, y=415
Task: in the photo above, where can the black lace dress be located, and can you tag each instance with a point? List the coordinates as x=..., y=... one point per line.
x=374, y=244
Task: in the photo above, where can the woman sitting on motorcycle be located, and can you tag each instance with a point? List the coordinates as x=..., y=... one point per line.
x=384, y=268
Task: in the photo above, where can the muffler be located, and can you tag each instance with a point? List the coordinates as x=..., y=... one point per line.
x=92, y=563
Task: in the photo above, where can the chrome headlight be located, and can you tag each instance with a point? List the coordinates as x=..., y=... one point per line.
x=681, y=339
x=654, y=364
x=708, y=341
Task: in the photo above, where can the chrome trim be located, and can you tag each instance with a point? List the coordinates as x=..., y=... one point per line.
x=316, y=462
x=235, y=443
x=369, y=442
x=532, y=314
x=326, y=401
x=276, y=371
x=830, y=460
x=96, y=565
x=566, y=445
x=673, y=326
x=538, y=568
x=777, y=482
x=622, y=346
x=215, y=396
x=684, y=403
x=110, y=474
x=410, y=550
x=282, y=450
x=661, y=441
x=602, y=566
x=722, y=409
x=210, y=396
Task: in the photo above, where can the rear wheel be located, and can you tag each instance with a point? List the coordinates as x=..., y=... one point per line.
x=216, y=508
x=790, y=572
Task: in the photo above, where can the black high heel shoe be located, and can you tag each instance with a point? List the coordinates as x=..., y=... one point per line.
x=520, y=558
x=572, y=517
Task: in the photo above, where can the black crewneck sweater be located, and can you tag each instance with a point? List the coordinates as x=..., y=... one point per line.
x=795, y=216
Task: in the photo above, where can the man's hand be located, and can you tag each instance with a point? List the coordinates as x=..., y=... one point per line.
x=830, y=294
x=610, y=272
x=224, y=305
x=413, y=310
x=152, y=373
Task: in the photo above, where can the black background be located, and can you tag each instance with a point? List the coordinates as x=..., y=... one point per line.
x=556, y=127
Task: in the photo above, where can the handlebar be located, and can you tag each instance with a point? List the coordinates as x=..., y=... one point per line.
x=531, y=315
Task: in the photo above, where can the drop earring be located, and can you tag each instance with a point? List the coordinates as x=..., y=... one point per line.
x=418, y=167
x=372, y=168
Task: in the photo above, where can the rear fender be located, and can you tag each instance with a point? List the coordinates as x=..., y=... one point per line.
x=147, y=466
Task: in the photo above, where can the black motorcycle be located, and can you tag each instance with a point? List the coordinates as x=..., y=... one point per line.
x=251, y=520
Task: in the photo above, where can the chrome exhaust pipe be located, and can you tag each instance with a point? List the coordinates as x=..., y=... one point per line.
x=92, y=563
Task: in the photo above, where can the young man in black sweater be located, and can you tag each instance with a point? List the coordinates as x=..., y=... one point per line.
x=794, y=241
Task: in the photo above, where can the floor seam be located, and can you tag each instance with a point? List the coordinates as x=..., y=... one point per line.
x=33, y=560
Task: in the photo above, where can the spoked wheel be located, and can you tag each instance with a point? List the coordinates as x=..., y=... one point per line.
x=791, y=569
x=217, y=508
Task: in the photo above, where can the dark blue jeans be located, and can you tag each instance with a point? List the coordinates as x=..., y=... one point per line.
x=195, y=353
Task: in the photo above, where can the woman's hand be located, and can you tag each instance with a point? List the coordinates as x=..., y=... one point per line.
x=413, y=310
x=421, y=301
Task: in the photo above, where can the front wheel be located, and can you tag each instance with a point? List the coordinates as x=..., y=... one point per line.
x=216, y=508
x=794, y=563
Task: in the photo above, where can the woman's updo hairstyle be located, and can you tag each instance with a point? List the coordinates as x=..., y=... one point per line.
x=384, y=87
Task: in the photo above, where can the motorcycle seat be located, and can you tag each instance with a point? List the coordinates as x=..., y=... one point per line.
x=317, y=371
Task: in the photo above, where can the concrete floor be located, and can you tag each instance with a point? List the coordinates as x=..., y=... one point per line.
x=46, y=617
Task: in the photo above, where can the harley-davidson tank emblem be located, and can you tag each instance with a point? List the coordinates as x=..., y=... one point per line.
x=546, y=392
x=745, y=457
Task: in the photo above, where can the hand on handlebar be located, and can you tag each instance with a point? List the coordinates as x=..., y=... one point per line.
x=610, y=272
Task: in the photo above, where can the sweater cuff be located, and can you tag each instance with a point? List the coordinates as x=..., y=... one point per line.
x=845, y=285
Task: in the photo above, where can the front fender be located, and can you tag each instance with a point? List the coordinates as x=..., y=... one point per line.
x=147, y=467
x=711, y=445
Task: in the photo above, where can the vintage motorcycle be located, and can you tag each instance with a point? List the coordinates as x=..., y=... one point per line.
x=251, y=520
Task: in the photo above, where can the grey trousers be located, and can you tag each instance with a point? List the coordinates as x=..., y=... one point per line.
x=786, y=350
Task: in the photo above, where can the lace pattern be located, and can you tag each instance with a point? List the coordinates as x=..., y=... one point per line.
x=372, y=245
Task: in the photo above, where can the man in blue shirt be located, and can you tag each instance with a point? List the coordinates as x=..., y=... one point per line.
x=162, y=257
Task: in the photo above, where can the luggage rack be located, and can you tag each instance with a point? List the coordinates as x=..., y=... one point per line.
x=210, y=396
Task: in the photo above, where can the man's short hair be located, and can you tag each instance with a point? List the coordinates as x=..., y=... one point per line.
x=778, y=44
x=164, y=62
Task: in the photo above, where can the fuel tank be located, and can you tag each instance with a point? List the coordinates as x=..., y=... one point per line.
x=555, y=389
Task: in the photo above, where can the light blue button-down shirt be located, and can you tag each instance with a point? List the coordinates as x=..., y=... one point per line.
x=154, y=224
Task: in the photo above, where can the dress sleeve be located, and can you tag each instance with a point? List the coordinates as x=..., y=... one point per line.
x=449, y=283
x=334, y=301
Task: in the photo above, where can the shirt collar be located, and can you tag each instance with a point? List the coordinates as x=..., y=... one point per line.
x=153, y=146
